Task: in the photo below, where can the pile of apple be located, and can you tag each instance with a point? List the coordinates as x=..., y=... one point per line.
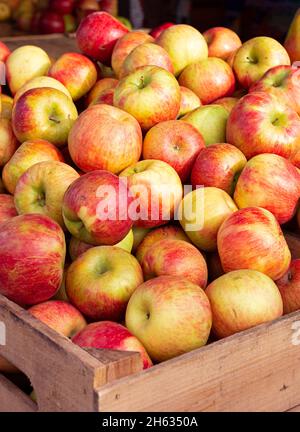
x=199, y=136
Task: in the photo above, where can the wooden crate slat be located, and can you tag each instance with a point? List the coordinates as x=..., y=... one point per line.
x=63, y=375
x=12, y=399
x=256, y=370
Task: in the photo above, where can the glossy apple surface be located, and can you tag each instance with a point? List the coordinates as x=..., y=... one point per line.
x=289, y=286
x=170, y=316
x=222, y=42
x=7, y=207
x=175, y=142
x=96, y=285
x=251, y=238
x=242, y=299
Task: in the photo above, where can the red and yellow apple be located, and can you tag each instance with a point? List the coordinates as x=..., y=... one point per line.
x=261, y=123
x=146, y=54
x=44, y=113
x=32, y=256
x=125, y=45
x=43, y=81
x=42, y=187
x=291, y=42
x=96, y=283
x=170, y=316
x=59, y=315
x=218, y=165
x=97, y=35
x=28, y=154
x=209, y=79
x=6, y=103
x=222, y=42
x=271, y=182
x=242, y=299
x=4, y=52
x=156, y=190
x=184, y=44
x=95, y=208
x=171, y=232
x=105, y=137
x=172, y=257
x=227, y=102
x=76, y=72
x=255, y=57
x=283, y=82
x=175, y=142
x=251, y=238
x=110, y=335
x=25, y=63
x=151, y=94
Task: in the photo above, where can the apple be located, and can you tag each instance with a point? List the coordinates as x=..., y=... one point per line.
x=8, y=141
x=4, y=52
x=146, y=54
x=31, y=274
x=291, y=42
x=102, y=91
x=62, y=7
x=167, y=232
x=210, y=121
x=209, y=79
x=202, y=212
x=110, y=335
x=42, y=187
x=231, y=57
x=184, y=44
x=127, y=23
x=251, y=238
x=271, y=182
x=90, y=147
x=261, y=123
x=157, y=191
x=77, y=247
x=283, y=82
x=189, y=101
x=218, y=165
x=255, y=57
x=170, y=316
x=25, y=63
x=222, y=42
x=61, y=293
x=227, y=102
x=156, y=31
x=7, y=207
x=59, y=315
x=95, y=282
x=242, y=299
x=51, y=22
x=175, y=258
x=139, y=234
x=158, y=86
x=175, y=142
x=125, y=45
x=6, y=103
x=44, y=113
x=289, y=287
x=95, y=208
x=110, y=6
x=43, y=81
x=76, y=72
x=28, y=154
x=5, y=12
x=24, y=22
x=97, y=35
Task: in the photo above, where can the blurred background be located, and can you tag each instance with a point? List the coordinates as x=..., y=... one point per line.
x=247, y=17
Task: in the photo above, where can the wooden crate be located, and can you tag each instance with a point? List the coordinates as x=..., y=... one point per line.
x=255, y=370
